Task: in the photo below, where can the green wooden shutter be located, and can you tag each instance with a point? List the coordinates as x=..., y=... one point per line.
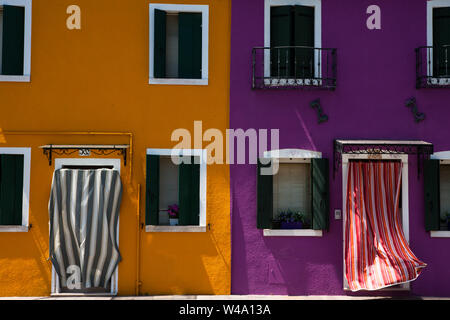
x=11, y=189
x=432, y=196
x=281, y=26
x=304, y=36
x=152, y=191
x=159, y=61
x=441, y=37
x=13, y=40
x=265, y=198
x=320, y=194
x=189, y=193
x=189, y=45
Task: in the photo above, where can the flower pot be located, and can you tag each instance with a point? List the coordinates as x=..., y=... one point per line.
x=173, y=222
x=291, y=225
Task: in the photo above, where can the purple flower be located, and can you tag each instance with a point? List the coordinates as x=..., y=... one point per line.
x=173, y=211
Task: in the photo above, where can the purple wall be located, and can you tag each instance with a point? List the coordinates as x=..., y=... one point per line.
x=376, y=74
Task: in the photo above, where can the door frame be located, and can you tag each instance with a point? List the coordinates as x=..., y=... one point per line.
x=405, y=204
x=59, y=163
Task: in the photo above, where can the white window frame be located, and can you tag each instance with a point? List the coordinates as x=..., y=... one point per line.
x=202, y=154
x=59, y=163
x=292, y=156
x=405, y=204
x=317, y=4
x=26, y=44
x=444, y=158
x=431, y=4
x=26, y=152
x=204, y=10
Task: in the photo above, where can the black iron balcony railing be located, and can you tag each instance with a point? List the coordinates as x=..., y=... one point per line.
x=433, y=67
x=293, y=67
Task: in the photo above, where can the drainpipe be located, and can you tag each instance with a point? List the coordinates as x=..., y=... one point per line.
x=138, y=242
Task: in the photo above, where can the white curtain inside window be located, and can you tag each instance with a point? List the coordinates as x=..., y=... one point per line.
x=172, y=45
x=168, y=187
x=1, y=37
x=445, y=190
x=292, y=188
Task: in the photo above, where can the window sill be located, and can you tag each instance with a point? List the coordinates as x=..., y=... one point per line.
x=197, y=82
x=151, y=228
x=4, y=78
x=292, y=233
x=440, y=234
x=14, y=228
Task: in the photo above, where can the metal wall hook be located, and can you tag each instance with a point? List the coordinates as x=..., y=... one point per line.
x=322, y=117
x=411, y=103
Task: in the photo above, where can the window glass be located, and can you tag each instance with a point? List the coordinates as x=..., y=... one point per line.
x=445, y=196
x=168, y=187
x=292, y=190
x=1, y=36
x=172, y=45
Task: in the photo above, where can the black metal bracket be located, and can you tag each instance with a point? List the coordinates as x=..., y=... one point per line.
x=104, y=151
x=422, y=151
x=418, y=116
x=322, y=117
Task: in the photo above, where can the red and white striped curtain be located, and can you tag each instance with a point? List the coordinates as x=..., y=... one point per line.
x=377, y=254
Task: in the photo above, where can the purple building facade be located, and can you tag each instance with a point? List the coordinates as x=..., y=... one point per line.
x=372, y=85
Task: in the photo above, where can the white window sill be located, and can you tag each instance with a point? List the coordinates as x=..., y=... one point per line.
x=440, y=234
x=196, y=82
x=4, y=78
x=292, y=233
x=151, y=228
x=13, y=228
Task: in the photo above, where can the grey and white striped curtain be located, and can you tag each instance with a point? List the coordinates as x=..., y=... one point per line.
x=84, y=212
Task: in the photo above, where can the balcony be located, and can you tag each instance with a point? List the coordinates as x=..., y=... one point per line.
x=293, y=67
x=433, y=67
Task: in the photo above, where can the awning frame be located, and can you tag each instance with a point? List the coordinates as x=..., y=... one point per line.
x=103, y=150
x=421, y=149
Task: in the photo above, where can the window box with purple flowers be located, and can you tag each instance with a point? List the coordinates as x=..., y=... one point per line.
x=290, y=220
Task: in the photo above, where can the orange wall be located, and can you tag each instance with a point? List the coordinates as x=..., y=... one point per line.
x=96, y=79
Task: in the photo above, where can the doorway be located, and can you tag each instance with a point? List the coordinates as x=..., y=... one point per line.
x=403, y=201
x=89, y=165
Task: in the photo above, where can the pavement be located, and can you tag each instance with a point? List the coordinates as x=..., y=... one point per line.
x=223, y=297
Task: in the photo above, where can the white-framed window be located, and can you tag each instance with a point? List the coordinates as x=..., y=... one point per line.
x=439, y=192
x=438, y=38
x=15, y=43
x=178, y=51
x=87, y=163
x=293, y=201
x=292, y=23
x=15, y=164
x=176, y=190
x=404, y=203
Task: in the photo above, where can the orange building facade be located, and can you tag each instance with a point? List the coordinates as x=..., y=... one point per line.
x=92, y=90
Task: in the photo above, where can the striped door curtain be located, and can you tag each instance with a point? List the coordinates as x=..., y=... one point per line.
x=84, y=212
x=377, y=254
